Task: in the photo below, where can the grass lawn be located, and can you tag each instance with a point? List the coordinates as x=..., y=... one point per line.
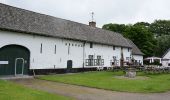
x=106, y=80
x=12, y=91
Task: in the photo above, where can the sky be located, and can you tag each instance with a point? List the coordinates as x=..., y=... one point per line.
x=105, y=11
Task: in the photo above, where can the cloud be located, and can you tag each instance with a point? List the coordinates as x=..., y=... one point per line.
x=106, y=11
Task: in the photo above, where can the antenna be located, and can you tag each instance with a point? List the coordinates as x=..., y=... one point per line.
x=92, y=15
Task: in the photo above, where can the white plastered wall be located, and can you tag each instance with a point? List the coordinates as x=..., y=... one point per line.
x=65, y=50
x=138, y=58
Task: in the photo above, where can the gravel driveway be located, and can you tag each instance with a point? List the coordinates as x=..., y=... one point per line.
x=85, y=93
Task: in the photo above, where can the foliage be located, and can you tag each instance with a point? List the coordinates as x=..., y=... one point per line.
x=115, y=27
x=160, y=27
x=152, y=39
x=142, y=37
x=145, y=24
x=108, y=80
x=12, y=91
x=163, y=45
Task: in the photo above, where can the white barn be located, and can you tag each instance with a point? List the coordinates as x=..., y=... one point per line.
x=166, y=59
x=32, y=41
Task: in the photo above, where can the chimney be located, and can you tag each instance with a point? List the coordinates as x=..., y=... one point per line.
x=92, y=24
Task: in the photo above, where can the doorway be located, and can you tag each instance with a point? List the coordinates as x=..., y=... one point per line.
x=69, y=65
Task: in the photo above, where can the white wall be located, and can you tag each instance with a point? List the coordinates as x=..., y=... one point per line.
x=49, y=60
x=106, y=52
x=139, y=58
x=126, y=54
x=166, y=62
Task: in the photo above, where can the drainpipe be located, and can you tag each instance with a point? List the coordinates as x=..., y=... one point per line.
x=122, y=58
x=83, y=54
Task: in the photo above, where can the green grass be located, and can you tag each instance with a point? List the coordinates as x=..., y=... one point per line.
x=106, y=80
x=12, y=91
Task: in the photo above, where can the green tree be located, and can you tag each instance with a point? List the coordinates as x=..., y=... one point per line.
x=139, y=33
x=163, y=45
x=160, y=27
x=120, y=28
x=143, y=38
x=146, y=24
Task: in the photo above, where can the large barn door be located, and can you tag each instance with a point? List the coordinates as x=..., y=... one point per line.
x=14, y=59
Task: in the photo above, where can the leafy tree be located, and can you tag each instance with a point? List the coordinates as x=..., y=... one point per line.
x=139, y=33
x=152, y=39
x=146, y=24
x=160, y=27
x=115, y=27
x=143, y=38
x=163, y=45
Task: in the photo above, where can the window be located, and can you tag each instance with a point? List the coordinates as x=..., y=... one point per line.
x=72, y=44
x=114, y=58
x=91, y=45
x=94, y=62
x=127, y=58
x=98, y=57
x=98, y=61
x=102, y=61
x=41, y=48
x=128, y=49
x=113, y=47
x=65, y=43
x=55, y=49
x=114, y=62
x=90, y=63
x=68, y=50
x=91, y=56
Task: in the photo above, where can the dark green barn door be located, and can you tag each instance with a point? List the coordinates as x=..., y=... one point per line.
x=9, y=54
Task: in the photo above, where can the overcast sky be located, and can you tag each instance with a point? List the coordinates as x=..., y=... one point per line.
x=106, y=11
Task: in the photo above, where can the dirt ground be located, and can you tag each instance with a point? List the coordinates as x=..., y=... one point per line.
x=85, y=93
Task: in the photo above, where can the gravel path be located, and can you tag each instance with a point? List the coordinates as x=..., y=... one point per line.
x=85, y=93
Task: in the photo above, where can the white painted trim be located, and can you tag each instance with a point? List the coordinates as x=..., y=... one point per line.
x=4, y=62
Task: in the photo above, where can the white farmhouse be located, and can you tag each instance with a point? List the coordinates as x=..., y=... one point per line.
x=166, y=59
x=30, y=41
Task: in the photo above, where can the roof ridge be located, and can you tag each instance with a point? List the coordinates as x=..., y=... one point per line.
x=22, y=20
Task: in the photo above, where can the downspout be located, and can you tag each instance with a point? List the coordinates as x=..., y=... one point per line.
x=122, y=58
x=83, y=54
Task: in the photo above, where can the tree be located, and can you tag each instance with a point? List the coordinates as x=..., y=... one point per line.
x=139, y=33
x=160, y=27
x=143, y=38
x=163, y=45
x=120, y=28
